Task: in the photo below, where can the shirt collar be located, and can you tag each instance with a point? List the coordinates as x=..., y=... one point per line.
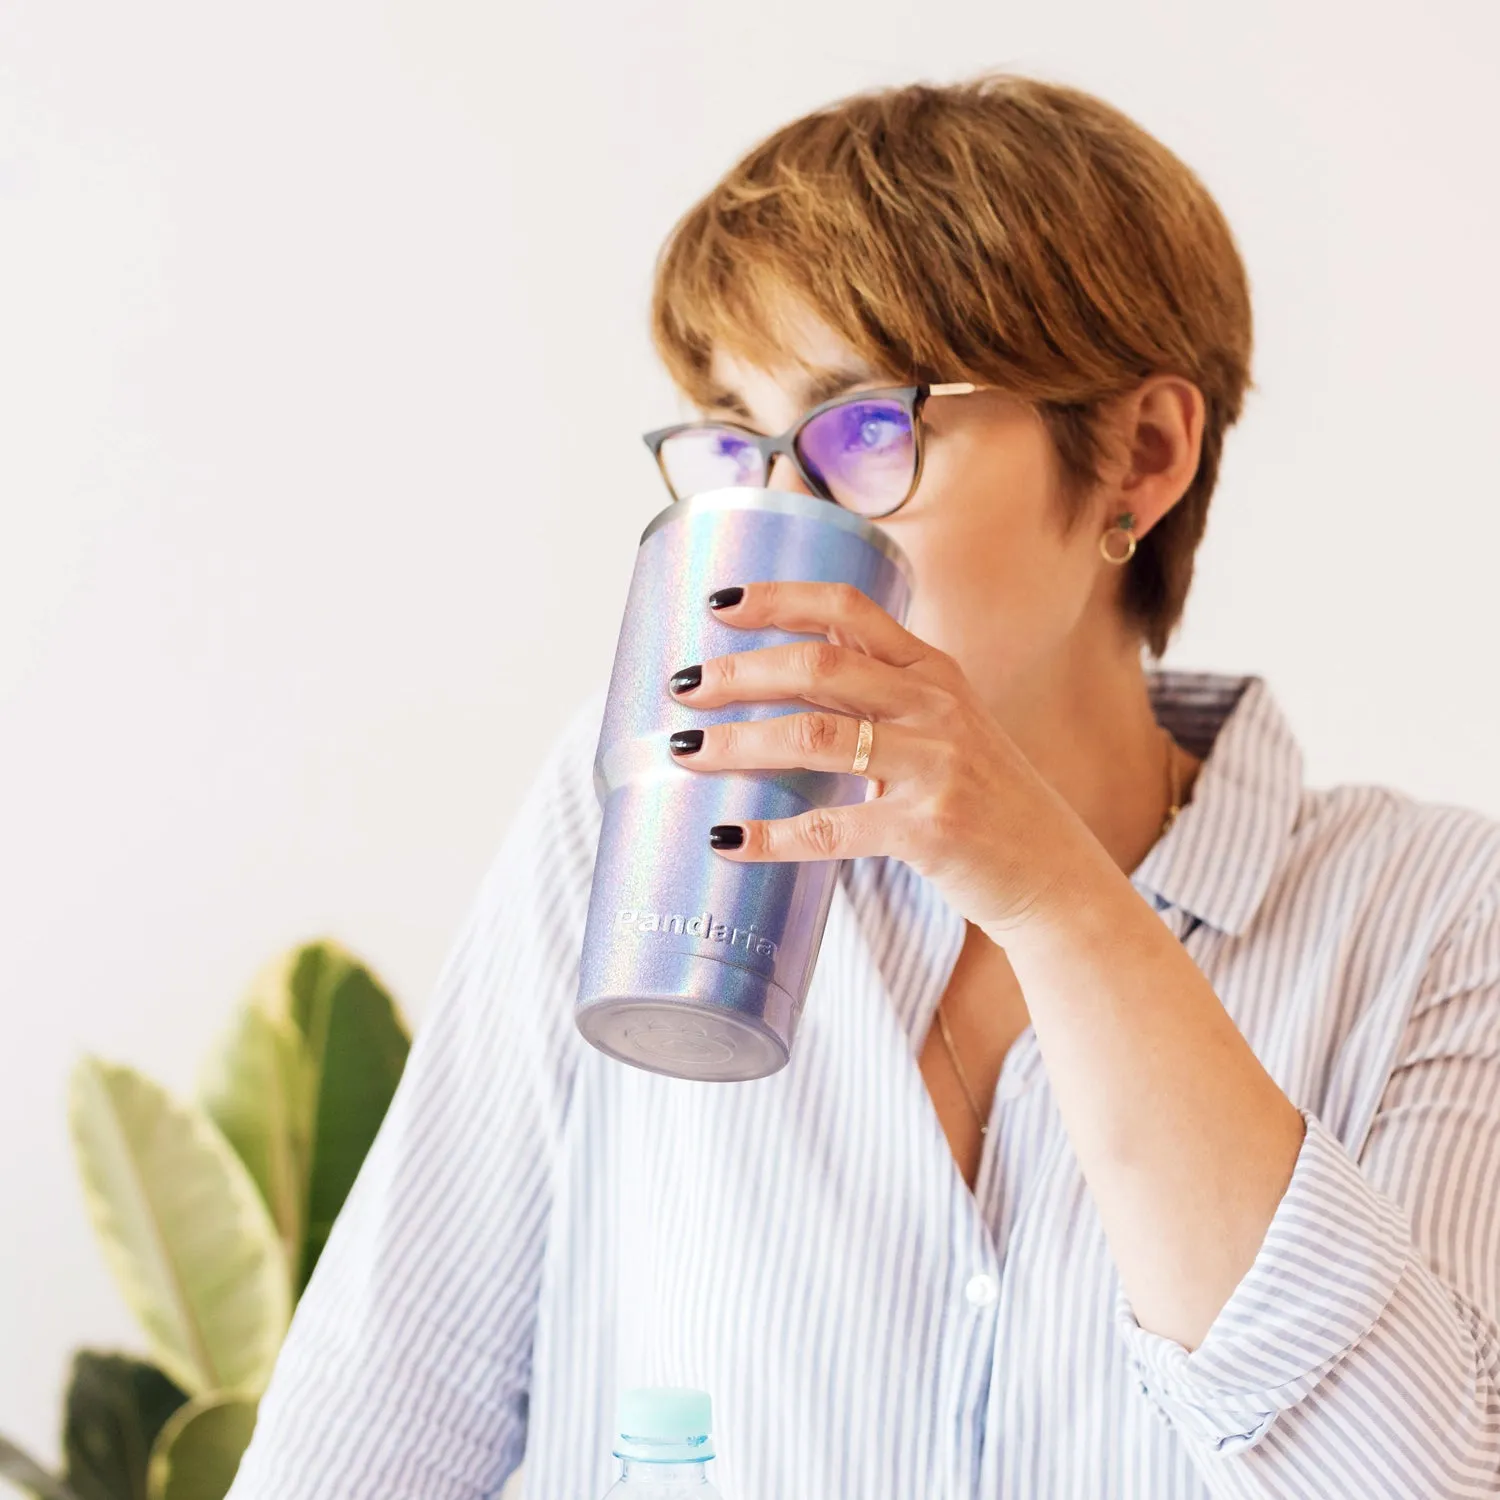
x=1218, y=859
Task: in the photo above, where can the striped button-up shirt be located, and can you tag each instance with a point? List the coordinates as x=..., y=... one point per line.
x=538, y=1226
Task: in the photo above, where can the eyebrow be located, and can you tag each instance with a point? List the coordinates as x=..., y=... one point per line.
x=822, y=386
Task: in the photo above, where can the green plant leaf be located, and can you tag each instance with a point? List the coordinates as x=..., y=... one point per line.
x=256, y=1087
x=357, y=1042
x=115, y=1408
x=184, y=1229
x=198, y=1452
x=23, y=1471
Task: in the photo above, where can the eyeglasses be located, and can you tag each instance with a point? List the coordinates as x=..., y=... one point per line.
x=862, y=451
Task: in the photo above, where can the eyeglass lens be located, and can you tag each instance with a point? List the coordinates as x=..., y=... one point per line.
x=710, y=458
x=863, y=453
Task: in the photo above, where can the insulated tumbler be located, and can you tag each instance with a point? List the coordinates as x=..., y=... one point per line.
x=693, y=964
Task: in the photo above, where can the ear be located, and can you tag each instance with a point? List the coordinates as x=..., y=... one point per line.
x=1159, y=430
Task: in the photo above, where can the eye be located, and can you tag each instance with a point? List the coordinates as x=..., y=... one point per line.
x=872, y=428
x=874, y=431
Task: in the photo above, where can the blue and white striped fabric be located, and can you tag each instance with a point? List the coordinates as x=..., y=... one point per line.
x=538, y=1225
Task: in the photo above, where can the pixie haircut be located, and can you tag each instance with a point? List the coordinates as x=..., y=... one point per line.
x=1002, y=230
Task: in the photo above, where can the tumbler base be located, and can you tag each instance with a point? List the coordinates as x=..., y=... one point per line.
x=683, y=1040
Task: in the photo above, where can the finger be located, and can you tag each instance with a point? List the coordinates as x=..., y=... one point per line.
x=866, y=828
x=812, y=742
x=845, y=614
x=819, y=672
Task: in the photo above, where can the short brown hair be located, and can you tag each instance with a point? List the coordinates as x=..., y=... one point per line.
x=1001, y=229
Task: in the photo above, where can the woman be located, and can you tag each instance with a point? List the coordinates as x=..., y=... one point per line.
x=1142, y=1134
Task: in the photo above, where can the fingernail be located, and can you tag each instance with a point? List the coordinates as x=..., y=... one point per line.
x=723, y=598
x=687, y=679
x=686, y=741
x=726, y=836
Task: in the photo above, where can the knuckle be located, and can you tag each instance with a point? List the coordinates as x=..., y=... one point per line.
x=941, y=824
x=823, y=833
x=819, y=658
x=951, y=674
x=946, y=760
x=942, y=670
x=941, y=699
x=906, y=841
x=816, y=734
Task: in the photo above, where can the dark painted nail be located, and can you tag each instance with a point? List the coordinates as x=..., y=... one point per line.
x=686, y=741
x=726, y=836
x=723, y=598
x=687, y=679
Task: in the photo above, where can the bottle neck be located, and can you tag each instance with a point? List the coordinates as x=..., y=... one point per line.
x=640, y=1471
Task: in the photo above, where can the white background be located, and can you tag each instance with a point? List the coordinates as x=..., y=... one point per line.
x=322, y=368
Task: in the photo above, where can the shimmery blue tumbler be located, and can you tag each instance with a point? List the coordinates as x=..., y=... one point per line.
x=696, y=965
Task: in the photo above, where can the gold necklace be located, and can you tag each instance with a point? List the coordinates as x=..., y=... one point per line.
x=958, y=1070
x=1174, y=806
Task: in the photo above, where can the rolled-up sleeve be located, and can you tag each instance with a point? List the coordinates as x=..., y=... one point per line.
x=407, y=1365
x=1360, y=1354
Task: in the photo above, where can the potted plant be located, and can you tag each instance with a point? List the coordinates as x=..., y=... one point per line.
x=212, y=1214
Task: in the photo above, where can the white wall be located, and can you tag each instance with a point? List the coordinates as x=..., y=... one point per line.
x=304, y=547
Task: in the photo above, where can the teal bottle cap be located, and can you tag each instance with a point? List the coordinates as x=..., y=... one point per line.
x=665, y=1424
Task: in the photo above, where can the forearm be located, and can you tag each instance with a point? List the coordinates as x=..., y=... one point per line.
x=1186, y=1142
x=1342, y=1364
x=1311, y=1322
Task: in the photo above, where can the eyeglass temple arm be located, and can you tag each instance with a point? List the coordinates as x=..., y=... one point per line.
x=953, y=388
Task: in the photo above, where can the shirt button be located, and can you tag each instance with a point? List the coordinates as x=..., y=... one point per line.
x=982, y=1290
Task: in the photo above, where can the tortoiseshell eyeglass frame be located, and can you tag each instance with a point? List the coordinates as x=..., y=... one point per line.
x=911, y=397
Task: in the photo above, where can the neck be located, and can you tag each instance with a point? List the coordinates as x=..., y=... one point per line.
x=684, y=1474
x=1086, y=723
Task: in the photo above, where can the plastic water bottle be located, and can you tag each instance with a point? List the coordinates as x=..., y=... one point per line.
x=665, y=1439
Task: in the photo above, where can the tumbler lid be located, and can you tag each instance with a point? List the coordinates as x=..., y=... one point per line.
x=665, y=1424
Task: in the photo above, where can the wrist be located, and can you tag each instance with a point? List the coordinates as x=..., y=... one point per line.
x=1083, y=889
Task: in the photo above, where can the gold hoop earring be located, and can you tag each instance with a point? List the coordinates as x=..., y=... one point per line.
x=1124, y=526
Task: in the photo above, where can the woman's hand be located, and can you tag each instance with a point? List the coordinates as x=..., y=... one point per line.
x=954, y=796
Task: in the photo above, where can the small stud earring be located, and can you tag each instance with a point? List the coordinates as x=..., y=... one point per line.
x=1112, y=552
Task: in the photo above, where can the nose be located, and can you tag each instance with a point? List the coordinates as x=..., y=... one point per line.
x=784, y=476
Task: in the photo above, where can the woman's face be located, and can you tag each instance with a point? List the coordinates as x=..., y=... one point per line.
x=1001, y=582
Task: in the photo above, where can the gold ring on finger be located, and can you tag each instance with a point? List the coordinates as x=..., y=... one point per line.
x=862, y=749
